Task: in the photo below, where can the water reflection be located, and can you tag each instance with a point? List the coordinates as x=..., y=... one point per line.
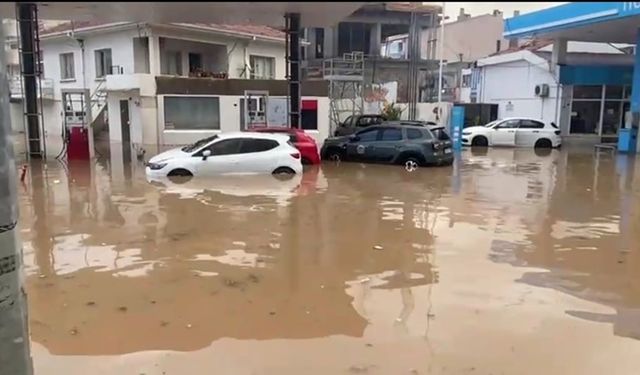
x=403, y=270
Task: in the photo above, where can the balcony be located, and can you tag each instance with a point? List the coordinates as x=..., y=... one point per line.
x=127, y=82
x=45, y=86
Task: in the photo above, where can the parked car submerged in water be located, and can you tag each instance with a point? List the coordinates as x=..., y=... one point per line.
x=515, y=131
x=412, y=146
x=229, y=153
x=301, y=140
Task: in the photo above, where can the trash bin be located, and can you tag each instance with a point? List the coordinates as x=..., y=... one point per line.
x=627, y=140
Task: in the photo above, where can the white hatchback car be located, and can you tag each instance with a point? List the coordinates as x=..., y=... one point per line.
x=515, y=131
x=229, y=153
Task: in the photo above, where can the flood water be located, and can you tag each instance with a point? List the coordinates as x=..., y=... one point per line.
x=509, y=262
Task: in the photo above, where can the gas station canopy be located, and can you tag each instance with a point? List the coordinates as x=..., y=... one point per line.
x=312, y=14
x=613, y=22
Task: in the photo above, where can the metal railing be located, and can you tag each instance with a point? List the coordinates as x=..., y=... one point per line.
x=45, y=87
x=351, y=65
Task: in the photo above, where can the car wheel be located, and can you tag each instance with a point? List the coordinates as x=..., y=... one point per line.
x=334, y=155
x=411, y=164
x=180, y=172
x=543, y=143
x=284, y=170
x=480, y=141
x=179, y=176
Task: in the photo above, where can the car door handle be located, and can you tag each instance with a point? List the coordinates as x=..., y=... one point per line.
x=536, y=131
x=511, y=131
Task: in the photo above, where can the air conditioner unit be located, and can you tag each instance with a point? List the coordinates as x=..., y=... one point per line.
x=542, y=90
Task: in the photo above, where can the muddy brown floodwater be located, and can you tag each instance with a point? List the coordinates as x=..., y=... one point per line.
x=510, y=262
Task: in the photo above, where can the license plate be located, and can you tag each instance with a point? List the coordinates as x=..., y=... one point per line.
x=447, y=150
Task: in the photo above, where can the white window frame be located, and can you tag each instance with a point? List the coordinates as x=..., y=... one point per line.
x=255, y=58
x=66, y=74
x=101, y=62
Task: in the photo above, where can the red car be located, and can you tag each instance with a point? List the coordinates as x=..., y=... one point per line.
x=303, y=142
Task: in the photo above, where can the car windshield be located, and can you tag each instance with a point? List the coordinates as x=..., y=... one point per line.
x=198, y=144
x=491, y=124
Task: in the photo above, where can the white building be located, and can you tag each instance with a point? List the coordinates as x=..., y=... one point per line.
x=588, y=97
x=163, y=84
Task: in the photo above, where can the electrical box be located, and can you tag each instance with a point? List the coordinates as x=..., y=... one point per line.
x=542, y=90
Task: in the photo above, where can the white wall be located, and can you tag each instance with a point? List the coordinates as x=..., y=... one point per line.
x=230, y=121
x=514, y=82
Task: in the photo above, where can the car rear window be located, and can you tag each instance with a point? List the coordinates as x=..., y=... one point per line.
x=250, y=145
x=440, y=134
x=414, y=134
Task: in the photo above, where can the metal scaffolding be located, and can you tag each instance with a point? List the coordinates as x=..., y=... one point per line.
x=346, y=77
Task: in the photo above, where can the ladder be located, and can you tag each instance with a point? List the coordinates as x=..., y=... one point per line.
x=36, y=52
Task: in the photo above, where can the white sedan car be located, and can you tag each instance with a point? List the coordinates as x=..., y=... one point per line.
x=516, y=131
x=229, y=153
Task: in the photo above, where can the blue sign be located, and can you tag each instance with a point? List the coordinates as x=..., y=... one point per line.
x=456, y=124
x=568, y=16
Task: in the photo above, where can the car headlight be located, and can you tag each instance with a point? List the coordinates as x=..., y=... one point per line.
x=156, y=166
x=466, y=133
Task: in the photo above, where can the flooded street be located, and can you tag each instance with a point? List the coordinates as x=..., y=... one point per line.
x=509, y=262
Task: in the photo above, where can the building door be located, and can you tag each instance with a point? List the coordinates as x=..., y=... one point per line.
x=125, y=123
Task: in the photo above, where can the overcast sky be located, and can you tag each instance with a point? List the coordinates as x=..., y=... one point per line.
x=475, y=9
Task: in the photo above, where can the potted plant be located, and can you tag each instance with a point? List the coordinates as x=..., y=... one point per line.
x=391, y=112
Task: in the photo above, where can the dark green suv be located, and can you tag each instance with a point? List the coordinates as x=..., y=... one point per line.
x=411, y=146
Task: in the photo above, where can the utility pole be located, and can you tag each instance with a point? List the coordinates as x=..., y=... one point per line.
x=15, y=358
x=441, y=53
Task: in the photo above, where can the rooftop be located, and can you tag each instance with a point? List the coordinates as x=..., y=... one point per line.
x=243, y=30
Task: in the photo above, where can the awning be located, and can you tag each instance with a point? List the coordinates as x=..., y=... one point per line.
x=614, y=22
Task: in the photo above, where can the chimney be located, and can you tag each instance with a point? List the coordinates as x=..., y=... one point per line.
x=462, y=15
x=513, y=43
x=497, y=12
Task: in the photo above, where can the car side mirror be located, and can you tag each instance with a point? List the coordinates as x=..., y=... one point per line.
x=354, y=138
x=206, y=154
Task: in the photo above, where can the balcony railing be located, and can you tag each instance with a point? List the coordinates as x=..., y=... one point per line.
x=46, y=87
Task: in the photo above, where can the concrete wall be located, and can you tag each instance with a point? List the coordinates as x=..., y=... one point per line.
x=474, y=38
x=511, y=85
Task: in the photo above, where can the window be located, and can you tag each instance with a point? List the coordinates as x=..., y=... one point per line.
x=509, y=124
x=199, y=143
x=466, y=80
x=262, y=67
x=226, y=147
x=613, y=92
x=195, y=62
x=191, y=113
x=319, y=43
x=587, y=92
x=368, y=135
x=440, y=134
x=391, y=134
x=368, y=120
x=414, y=134
x=585, y=117
x=250, y=145
x=172, y=63
x=103, y=62
x=498, y=45
x=530, y=124
x=66, y=66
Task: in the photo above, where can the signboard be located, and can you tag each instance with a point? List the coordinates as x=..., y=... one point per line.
x=456, y=125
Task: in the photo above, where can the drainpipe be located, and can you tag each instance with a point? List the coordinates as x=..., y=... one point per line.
x=15, y=357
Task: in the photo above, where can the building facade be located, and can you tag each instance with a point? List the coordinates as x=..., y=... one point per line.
x=588, y=100
x=155, y=85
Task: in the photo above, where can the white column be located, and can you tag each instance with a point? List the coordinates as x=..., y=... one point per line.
x=154, y=55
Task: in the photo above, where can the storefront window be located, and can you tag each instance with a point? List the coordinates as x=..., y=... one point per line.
x=614, y=92
x=587, y=92
x=585, y=116
x=611, y=117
